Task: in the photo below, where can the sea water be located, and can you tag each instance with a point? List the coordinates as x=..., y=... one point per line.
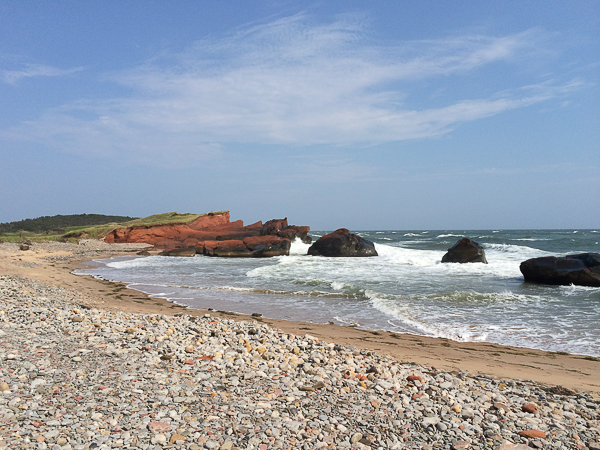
x=405, y=289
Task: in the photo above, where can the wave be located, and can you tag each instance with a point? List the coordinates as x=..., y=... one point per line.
x=530, y=239
x=412, y=235
x=406, y=256
x=134, y=262
x=573, y=289
x=512, y=248
x=318, y=294
x=427, y=328
x=442, y=315
x=449, y=235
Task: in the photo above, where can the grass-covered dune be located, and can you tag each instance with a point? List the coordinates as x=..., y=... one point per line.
x=47, y=224
x=72, y=227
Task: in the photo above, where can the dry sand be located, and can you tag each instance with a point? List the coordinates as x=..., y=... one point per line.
x=571, y=371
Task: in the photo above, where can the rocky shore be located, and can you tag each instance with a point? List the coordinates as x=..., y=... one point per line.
x=74, y=376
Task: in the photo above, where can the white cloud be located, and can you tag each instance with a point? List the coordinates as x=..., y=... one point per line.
x=36, y=70
x=288, y=82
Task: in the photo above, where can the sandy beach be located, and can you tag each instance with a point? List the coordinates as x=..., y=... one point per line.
x=571, y=371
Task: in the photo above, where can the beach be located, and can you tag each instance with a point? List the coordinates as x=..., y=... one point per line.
x=459, y=383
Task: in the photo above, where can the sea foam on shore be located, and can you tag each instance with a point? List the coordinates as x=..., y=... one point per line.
x=75, y=376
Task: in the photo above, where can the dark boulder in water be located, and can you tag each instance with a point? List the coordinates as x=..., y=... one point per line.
x=342, y=243
x=582, y=269
x=465, y=251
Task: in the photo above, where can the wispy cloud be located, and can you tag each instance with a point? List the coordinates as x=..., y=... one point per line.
x=289, y=82
x=36, y=70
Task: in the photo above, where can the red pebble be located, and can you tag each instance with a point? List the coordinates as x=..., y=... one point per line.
x=533, y=434
x=414, y=378
x=531, y=408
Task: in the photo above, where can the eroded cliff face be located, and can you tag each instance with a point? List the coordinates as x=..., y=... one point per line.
x=215, y=235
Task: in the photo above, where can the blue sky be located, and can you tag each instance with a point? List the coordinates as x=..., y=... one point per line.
x=365, y=115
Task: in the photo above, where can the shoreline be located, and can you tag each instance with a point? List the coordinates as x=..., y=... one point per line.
x=575, y=372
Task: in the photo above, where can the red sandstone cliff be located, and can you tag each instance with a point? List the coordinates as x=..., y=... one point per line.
x=215, y=235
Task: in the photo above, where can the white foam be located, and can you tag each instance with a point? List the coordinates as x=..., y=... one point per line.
x=298, y=248
x=448, y=235
x=148, y=261
x=530, y=239
x=576, y=290
x=407, y=256
x=426, y=327
x=337, y=286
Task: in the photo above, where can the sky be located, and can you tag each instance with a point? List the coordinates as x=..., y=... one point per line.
x=366, y=115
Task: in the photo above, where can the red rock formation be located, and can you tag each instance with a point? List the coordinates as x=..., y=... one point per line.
x=215, y=235
x=280, y=227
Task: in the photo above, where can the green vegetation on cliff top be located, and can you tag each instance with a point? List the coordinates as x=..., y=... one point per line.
x=47, y=224
x=72, y=227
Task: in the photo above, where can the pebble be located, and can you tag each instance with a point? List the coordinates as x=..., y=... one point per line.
x=202, y=382
x=531, y=408
x=533, y=434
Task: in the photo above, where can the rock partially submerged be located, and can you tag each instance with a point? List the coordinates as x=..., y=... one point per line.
x=214, y=235
x=342, y=243
x=465, y=251
x=176, y=252
x=582, y=270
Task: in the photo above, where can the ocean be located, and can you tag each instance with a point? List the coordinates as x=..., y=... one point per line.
x=405, y=289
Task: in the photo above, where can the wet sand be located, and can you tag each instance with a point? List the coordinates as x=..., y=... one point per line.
x=571, y=371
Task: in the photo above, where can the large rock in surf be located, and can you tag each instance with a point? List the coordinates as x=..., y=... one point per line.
x=465, y=251
x=214, y=235
x=342, y=243
x=582, y=269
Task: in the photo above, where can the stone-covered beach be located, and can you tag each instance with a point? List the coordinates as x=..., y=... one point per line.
x=89, y=364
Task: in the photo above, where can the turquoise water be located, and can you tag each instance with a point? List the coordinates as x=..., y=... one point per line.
x=405, y=289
